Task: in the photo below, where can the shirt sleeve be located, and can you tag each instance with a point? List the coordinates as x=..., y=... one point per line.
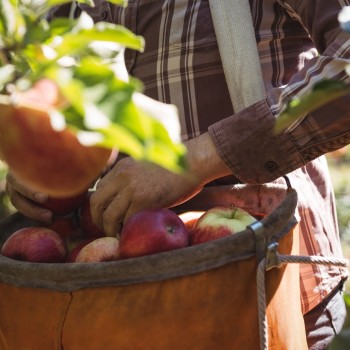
x=246, y=141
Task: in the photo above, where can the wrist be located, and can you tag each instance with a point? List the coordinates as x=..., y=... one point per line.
x=203, y=160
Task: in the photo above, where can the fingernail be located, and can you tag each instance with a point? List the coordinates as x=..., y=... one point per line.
x=46, y=215
x=40, y=197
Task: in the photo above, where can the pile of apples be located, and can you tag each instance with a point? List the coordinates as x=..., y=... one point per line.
x=73, y=237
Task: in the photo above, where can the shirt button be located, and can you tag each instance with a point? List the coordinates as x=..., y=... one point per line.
x=104, y=15
x=271, y=166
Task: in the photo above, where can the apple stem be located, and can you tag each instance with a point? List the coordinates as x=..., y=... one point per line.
x=234, y=213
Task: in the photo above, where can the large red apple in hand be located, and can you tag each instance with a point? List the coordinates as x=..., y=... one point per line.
x=152, y=231
x=220, y=222
x=35, y=244
x=44, y=159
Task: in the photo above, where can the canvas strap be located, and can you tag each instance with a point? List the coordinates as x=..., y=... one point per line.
x=234, y=30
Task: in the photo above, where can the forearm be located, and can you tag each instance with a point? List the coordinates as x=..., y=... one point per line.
x=203, y=160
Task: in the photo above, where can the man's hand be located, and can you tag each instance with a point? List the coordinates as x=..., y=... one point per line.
x=26, y=201
x=132, y=186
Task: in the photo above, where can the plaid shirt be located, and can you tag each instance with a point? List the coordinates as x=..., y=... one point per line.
x=299, y=43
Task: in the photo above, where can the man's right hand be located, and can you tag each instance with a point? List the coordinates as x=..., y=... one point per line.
x=27, y=201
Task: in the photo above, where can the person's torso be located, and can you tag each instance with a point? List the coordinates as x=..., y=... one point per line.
x=181, y=65
x=181, y=62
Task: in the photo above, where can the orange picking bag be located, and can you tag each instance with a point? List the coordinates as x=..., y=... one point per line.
x=200, y=297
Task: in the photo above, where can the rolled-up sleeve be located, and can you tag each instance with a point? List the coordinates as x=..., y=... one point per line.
x=246, y=141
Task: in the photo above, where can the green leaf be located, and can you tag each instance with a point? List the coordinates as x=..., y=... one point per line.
x=118, y=137
x=158, y=129
x=73, y=42
x=147, y=139
x=321, y=94
x=59, y=26
x=126, y=126
x=37, y=32
x=103, y=87
x=152, y=148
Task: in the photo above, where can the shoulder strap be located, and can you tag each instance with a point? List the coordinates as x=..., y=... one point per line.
x=234, y=30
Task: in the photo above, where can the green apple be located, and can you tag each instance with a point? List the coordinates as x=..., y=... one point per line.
x=220, y=222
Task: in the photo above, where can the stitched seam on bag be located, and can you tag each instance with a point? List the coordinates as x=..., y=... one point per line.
x=63, y=322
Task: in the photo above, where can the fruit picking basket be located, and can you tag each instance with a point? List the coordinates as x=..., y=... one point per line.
x=198, y=297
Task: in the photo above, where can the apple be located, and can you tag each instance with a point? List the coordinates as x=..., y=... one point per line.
x=98, y=250
x=220, y=222
x=44, y=159
x=65, y=205
x=89, y=229
x=152, y=231
x=190, y=218
x=35, y=244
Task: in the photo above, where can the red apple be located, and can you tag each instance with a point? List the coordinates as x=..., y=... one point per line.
x=65, y=205
x=220, y=222
x=100, y=249
x=89, y=229
x=152, y=231
x=44, y=159
x=35, y=244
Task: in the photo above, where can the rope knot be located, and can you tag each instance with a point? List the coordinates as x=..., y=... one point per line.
x=272, y=256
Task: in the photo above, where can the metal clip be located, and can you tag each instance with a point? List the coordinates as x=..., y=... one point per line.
x=271, y=256
x=260, y=243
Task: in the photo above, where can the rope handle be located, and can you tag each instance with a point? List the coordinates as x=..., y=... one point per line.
x=274, y=259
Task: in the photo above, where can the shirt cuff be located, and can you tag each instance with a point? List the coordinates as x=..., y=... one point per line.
x=248, y=145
